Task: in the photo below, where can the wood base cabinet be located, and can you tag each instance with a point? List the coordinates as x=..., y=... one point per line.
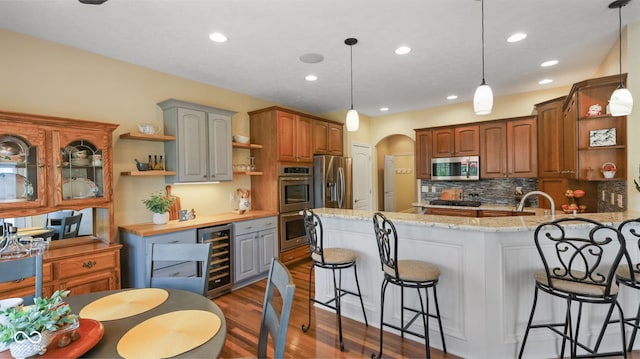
x=82, y=265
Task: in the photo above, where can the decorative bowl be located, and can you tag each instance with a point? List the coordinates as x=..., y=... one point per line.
x=147, y=129
x=241, y=139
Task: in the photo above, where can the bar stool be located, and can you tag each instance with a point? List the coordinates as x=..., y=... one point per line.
x=628, y=274
x=405, y=274
x=575, y=270
x=333, y=259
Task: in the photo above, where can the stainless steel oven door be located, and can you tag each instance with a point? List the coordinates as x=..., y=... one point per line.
x=292, y=232
x=296, y=193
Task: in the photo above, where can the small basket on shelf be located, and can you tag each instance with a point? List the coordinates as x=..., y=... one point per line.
x=609, y=169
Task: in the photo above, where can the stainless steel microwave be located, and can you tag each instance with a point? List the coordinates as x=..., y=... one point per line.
x=456, y=168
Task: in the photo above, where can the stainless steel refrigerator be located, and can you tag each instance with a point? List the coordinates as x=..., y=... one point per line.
x=332, y=182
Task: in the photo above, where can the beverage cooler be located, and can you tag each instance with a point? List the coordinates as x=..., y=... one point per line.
x=221, y=269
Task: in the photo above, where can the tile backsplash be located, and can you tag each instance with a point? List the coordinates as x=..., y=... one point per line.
x=502, y=191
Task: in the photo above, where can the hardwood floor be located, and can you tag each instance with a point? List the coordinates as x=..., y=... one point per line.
x=243, y=308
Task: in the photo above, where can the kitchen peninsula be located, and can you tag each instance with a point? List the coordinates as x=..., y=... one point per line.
x=486, y=286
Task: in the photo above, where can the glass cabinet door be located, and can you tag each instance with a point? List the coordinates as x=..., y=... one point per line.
x=22, y=169
x=80, y=170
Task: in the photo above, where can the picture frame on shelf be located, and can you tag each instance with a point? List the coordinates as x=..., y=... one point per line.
x=604, y=137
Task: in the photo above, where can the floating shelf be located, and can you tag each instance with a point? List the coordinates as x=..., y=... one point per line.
x=148, y=173
x=246, y=145
x=145, y=137
x=247, y=173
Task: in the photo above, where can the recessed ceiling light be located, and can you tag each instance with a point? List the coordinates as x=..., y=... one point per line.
x=311, y=77
x=383, y=109
x=218, y=37
x=545, y=81
x=311, y=58
x=549, y=63
x=518, y=36
x=403, y=50
x=452, y=97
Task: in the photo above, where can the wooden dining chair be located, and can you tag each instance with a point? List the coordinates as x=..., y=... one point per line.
x=23, y=268
x=54, y=219
x=200, y=253
x=272, y=323
x=69, y=226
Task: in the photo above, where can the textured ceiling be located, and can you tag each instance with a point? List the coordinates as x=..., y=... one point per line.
x=266, y=39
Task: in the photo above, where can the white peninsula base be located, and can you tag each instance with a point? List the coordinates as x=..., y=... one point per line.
x=486, y=286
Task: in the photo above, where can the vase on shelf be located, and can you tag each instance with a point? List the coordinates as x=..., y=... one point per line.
x=161, y=218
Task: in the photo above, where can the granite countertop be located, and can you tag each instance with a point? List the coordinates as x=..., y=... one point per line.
x=487, y=207
x=483, y=224
x=150, y=229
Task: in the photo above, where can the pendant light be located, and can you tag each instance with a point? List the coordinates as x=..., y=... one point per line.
x=353, y=120
x=483, y=98
x=621, y=101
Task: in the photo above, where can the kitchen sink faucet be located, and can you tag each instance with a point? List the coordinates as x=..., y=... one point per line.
x=520, y=207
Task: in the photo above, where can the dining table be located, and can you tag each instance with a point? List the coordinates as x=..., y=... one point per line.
x=44, y=232
x=177, y=301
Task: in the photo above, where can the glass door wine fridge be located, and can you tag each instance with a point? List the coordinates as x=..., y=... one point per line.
x=221, y=269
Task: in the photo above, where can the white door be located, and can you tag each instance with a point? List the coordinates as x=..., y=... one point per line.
x=361, y=178
x=389, y=183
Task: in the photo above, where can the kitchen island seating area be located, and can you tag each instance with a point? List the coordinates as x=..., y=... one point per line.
x=334, y=259
x=574, y=271
x=411, y=274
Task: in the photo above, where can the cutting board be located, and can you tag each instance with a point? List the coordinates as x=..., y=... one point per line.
x=451, y=194
x=175, y=207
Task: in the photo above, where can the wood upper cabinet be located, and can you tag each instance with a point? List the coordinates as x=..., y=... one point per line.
x=59, y=163
x=456, y=141
x=601, y=138
x=570, y=138
x=493, y=149
x=551, y=161
x=327, y=138
x=423, y=153
x=522, y=144
x=508, y=148
x=295, y=142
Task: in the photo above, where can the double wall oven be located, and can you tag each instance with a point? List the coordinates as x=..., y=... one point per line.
x=295, y=194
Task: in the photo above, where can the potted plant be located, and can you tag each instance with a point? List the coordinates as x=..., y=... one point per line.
x=159, y=204
x=28, y=330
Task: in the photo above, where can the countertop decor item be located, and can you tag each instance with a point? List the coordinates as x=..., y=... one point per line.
x=159, y=204
x=28, y=330
x=609, y=169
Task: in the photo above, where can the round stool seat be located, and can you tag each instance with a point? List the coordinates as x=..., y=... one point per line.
x=623, y=272
x=415, y=271
x=569, y=286
x=336, y=256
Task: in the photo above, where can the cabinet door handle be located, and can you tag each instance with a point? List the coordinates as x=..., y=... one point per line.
x=89, y=264
x=176, y=241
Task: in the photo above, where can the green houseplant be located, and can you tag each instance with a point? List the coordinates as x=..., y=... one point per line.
x=159, y=204
x=29, y=329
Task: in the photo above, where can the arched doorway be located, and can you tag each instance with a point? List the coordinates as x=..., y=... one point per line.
x=402, y=150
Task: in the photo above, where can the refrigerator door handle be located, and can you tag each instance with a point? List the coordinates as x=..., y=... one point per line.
x=341, y=187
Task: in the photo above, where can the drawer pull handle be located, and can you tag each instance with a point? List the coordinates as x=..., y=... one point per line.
x=89, y=264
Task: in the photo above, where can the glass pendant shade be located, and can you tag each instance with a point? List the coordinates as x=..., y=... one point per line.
x=483, y=99
x=353, y=120
x=621, y=102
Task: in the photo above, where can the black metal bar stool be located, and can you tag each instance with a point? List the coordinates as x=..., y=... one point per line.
x=576, y=270
x=333, y=259
x=406, y=274
x=628, y=274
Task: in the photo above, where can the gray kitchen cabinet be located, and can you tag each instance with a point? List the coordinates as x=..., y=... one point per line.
x=255, y=244
x=135, y=253
x=203, y=145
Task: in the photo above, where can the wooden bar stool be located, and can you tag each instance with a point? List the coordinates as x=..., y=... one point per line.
x=335, y=259
x=405, y=274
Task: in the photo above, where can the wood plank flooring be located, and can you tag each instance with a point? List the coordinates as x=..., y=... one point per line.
x=243, y=309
